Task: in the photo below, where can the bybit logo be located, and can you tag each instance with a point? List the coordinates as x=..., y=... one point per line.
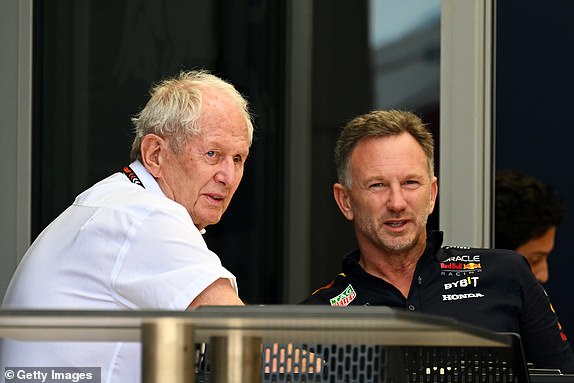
x=465, y=282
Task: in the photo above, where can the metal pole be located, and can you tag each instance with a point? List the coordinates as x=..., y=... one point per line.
x=235, y=358
x=168, y=351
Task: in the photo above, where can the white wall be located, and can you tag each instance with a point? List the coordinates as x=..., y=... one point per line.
x=465, y=121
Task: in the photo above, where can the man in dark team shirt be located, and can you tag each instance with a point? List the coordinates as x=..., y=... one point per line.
x=387, y=189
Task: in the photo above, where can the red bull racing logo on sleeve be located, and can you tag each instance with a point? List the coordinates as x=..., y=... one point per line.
x=344, y=298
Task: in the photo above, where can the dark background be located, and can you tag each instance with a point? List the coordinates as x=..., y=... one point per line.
x=94, y=64
x=534, y=129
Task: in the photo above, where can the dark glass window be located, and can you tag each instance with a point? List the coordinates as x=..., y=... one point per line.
x=533, y=125
x=95, y=61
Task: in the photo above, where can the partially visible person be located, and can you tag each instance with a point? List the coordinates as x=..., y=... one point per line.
x=527, y=213
x=134, y=240
x=387, y=188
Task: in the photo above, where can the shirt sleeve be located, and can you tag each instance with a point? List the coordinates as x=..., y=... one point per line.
x=543, y=339
x=165, y=263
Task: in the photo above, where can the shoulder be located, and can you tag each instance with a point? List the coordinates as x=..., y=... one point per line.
x=116, y=192
x=130, y=210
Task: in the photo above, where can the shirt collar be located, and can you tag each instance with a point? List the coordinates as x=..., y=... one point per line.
x=146, y=178
x=149, y=181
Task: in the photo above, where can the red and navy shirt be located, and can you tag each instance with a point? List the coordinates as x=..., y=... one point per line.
x=488, y=288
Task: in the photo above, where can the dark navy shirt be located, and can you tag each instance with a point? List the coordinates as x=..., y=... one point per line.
x=492, y=289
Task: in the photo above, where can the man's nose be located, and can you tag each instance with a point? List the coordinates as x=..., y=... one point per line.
x=226, y=172
x=396, y=199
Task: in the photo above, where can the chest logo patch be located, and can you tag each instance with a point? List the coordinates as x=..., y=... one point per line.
x=460, y=266
x=465, y=282
x=344, y=298
x=464, y=258
x=456, y=297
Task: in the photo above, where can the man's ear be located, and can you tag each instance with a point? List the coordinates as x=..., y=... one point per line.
x=343, y=200
x=151, y=152
x=434, y=193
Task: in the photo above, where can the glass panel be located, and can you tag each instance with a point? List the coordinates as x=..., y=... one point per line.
x=405, y=54
x=375, y=54
x=404, y=40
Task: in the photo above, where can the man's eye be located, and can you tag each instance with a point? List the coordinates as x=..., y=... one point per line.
x=411, y=184
x=212, y=156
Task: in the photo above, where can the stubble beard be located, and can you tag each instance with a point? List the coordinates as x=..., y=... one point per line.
x=392, y=244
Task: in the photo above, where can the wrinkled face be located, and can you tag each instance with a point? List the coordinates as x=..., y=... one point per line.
x=392, y=193
x=536, y=252
x=206, y=175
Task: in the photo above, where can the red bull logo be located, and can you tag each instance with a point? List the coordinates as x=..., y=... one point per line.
x=451, y=266
x=460, y=266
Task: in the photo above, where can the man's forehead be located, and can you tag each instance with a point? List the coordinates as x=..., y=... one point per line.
x=221, y=140
x=378, y=156
x=389, y=148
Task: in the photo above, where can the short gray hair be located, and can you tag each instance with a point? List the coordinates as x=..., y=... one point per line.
x=175, y=106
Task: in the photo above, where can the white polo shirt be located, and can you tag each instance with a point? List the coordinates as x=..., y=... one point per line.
x=119, y=246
